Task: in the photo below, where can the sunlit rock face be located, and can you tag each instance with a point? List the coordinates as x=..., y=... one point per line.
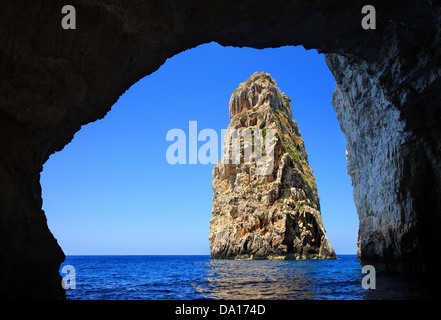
x=393, y=158
x=265, y=206
x=387, y=99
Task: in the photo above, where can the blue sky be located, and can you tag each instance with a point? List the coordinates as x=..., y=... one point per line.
x=111, y=190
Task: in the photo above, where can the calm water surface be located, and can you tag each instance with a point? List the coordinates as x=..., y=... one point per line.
x=199, y=277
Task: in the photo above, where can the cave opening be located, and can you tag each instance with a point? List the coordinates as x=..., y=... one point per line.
x=112, y=192
x=56, y=80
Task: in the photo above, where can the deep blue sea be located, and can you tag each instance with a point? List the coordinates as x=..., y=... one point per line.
x=199, y=277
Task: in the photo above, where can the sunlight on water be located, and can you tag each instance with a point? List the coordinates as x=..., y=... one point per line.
x=242, y=279
x=199, y=277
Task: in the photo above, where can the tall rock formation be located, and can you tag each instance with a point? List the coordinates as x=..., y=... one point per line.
x=265, y=206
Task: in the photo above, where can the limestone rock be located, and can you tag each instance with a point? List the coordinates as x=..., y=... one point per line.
x=273, y=214
x=392, y=170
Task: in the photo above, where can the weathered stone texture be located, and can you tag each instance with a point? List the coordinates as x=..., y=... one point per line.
x=272, y=213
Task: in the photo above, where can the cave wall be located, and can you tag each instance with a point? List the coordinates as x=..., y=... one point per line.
x=387, y=100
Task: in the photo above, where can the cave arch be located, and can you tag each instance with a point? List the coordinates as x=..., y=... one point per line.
x=387, y=101
x=199, y=81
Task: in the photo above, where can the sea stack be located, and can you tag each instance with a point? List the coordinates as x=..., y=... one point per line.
x=265, y=204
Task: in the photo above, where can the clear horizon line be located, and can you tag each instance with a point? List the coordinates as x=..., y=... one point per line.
x=175, y=254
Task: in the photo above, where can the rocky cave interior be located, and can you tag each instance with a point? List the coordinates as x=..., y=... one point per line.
x=387, y=101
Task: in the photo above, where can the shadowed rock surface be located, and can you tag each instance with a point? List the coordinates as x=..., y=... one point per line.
x=387, y=100
x=265, y=204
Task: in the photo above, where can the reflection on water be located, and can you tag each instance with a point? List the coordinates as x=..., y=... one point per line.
x=199, y=277
x=281, y=279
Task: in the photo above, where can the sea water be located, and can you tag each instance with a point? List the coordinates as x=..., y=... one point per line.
x=199, y=277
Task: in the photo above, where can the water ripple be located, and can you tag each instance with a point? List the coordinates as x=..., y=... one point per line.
x=199, y=277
